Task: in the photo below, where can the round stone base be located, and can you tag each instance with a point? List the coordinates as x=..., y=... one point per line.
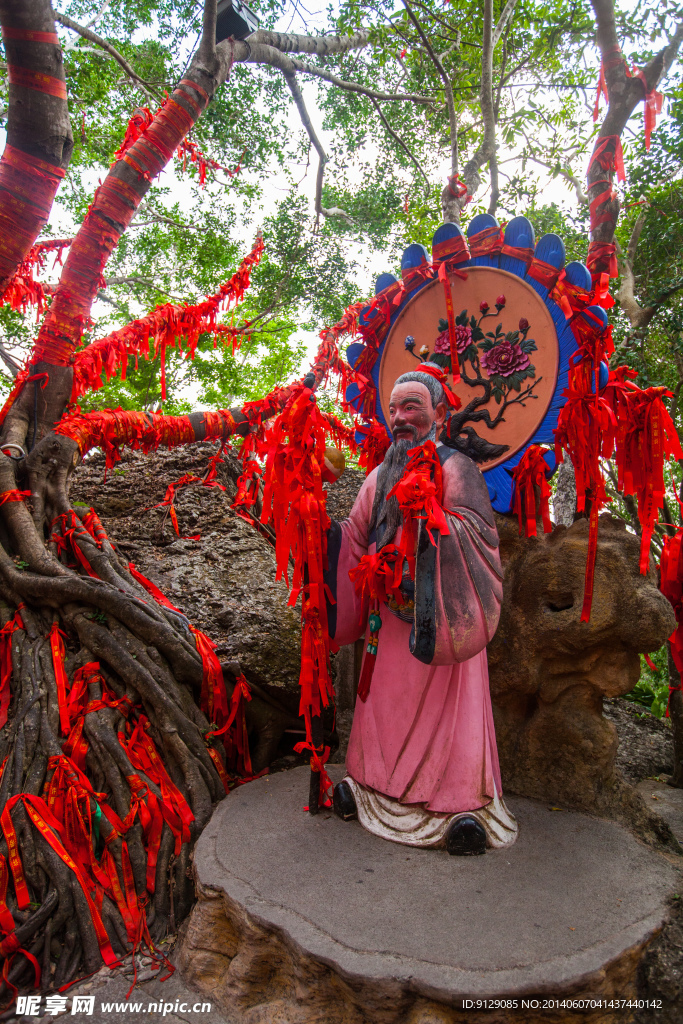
x=304, y=919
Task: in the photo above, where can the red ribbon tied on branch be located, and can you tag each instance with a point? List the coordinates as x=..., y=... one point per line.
x=653, y=105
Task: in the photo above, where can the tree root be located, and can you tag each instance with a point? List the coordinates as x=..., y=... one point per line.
x=140, y=675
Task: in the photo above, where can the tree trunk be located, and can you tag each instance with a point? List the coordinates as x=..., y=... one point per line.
x=39, y=140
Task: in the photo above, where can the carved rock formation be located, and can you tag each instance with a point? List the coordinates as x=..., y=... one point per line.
x=550, y=672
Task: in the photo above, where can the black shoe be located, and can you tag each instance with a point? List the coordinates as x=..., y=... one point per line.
x=344, y=802
x=465, y=837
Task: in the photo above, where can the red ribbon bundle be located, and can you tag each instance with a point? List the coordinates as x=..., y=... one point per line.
x=167, y=326
x=113, y=428
x=419, y=493
x=70, y=528
x=374, y=446
x=530, y=473
x=586, y=428
x=653, y=106
x=23, y=290
x=50, y=829
x=234, y=731
x=294, y=503
x=214, y=699
x=647, y=436
x=621, y=419
x=171, y=808
x=378, y=577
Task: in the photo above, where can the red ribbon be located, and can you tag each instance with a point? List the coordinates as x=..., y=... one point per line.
x=419, y=494
x=440, y=374
x=151, y=588
x=318, y=760
x=653, y=106
x=6, y=662
x=487, y=242
x=530, y=473
x=374, y=446
x=214, y=699
x=57, y=647
x=48, y=825
x=378, y=577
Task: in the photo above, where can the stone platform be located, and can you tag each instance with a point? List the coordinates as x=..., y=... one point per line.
x=304, y=919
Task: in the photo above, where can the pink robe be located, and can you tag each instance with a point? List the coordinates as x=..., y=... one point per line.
x=425, y=734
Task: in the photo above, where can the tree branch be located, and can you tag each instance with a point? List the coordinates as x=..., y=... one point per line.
x=93, y=37
x=327, y=76
x=207, y=46
x=38, y=126
x=505, y=18
x=298, y=98
x=487, y=150
x=448, y=88
x=566, y=173
x=401, y=143
x=320, y=45
x=625, y=93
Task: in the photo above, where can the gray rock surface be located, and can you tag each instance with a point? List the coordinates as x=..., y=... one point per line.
x=645, y=741
x=556, y=912
x=224, y=581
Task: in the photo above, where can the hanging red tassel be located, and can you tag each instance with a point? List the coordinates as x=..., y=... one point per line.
x=374, y=625
x=530, y=473
x=294, y=504
x=214, y=699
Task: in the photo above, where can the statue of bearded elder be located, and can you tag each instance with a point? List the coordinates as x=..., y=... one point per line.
x=422, y=765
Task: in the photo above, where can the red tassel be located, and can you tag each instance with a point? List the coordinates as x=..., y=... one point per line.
x=529, y=473
x=366, y=675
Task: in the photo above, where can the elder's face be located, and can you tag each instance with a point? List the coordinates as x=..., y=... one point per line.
x=411, y=413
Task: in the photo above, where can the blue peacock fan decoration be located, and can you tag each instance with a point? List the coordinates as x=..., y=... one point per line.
x=500, y=302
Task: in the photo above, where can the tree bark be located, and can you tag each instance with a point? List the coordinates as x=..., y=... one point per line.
x=39, y=139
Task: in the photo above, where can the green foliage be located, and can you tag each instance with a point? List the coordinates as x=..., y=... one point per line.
x=652, y=689
x=186, y=240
